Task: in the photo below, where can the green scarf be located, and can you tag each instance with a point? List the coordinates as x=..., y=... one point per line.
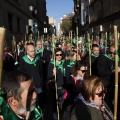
x=70, y=63
x=39, y=51
x=27, y=60
x=60, y=66
x=21, y=51
x=108, y=56
x=95, y=55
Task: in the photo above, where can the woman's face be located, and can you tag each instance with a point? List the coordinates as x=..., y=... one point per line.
x=82, y=71
x=99, y=96
x=58, y=56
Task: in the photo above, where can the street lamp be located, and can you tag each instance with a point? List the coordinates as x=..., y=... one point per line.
x=33, y=9
x=45, y=29
x=101, y=31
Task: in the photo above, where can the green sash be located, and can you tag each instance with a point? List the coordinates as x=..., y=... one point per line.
x=39, y=51
x=70, y=63
x=27, y=60
x=59, y=66
x=95, y=55
x=108, y=56
x=21, y=51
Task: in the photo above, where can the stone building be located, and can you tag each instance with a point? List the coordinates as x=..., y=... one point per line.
x=15, y=16
x=98, y=16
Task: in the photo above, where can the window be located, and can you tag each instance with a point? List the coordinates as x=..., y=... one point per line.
x=10, y=22
x=18, y=25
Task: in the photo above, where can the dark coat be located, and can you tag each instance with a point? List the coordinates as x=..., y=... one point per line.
x=46, y=56
x=73, y=89
x=105, y=67
x=59, y=76
x=93, y=65
x=8, y=62
x=34, y=70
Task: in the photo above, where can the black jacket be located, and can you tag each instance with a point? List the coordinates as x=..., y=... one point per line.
x=60, y=76
x=105, y=67
x=93, y=65
x=35, y=70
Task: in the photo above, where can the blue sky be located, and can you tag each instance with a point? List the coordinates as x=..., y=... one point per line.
x=58, y=8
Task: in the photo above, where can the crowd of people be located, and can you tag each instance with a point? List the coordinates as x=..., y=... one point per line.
x=61, y=67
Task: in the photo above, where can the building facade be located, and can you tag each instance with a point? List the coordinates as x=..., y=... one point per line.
x=98, y=16
x=15, y=16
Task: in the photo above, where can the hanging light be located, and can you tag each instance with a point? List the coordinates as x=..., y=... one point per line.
x=31, y=7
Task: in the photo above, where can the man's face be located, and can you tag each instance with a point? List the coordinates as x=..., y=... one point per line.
x=95, y=50
x=31, y=51
x=39, y=45
x=46, y=43
x=58, y=56
x=28, y=97
x=112, y=51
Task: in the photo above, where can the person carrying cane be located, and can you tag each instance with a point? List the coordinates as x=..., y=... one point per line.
x=56, y=75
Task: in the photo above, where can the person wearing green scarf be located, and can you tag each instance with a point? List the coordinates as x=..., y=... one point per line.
x=39, y=47
x=19, y=97
x=106, y=71
x=94, y=56
x=57, y=67
x=32, y=65
x=71, y=57
x=45, y=56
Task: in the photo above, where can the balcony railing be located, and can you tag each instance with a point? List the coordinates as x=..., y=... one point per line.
x=92, y=18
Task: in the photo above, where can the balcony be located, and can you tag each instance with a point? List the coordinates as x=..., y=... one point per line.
x=92, y=18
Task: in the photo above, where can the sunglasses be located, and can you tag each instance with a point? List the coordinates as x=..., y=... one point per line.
x=74, y=51
x=58, y=55
x=83, y=71
x=101, y=93
x=112, y=53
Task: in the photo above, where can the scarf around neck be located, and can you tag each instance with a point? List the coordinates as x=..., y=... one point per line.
x=95, y=55
x=70, y=63
x=39, y=51
x=27, y=60
x=80, y=97
x=59, y=66
x=107, y=114
x=108, y=56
